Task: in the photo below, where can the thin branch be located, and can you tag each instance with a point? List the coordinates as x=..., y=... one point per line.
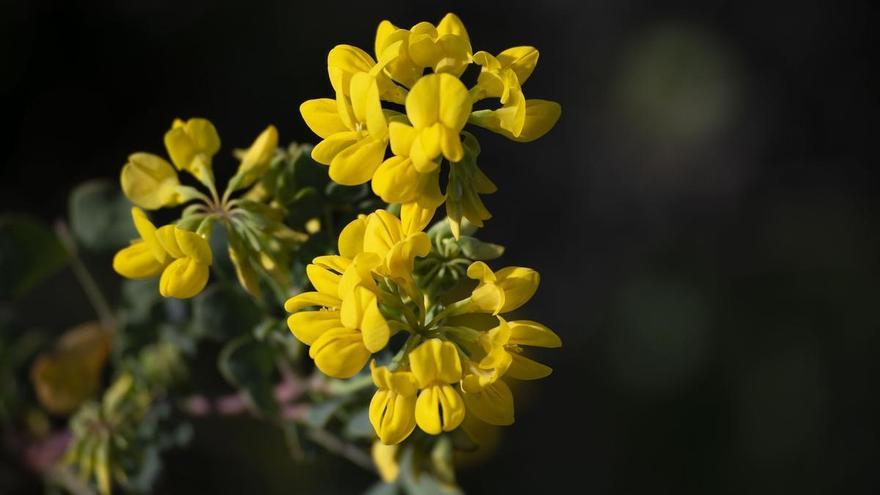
x=86, y=281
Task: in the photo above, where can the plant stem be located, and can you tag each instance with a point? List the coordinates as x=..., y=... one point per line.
x=341, y=448
x=86, y=281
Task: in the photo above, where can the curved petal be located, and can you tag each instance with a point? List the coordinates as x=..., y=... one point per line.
x=322, y=117
x=521, y=59
x=136, y=261
x=149, y=181
x=306, y=299
x=356, y=164
x=439, y=408
x=323, y=280
x=339, y=353
x=532, y=333
x=523, y=368
x=325, y=151
x=183, y=278
x=493, y=404
x=392, y=416
x=435, y=361
x=351, y=239
x=307, y=326
x=193, y=245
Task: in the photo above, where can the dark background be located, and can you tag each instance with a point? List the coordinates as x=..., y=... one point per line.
x=704, y=217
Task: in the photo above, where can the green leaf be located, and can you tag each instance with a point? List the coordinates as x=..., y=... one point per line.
x=29, y=253
x=382, y=488
x=320, y=413
x=358, y=425
x=222, y=312
x=100, y=215
x=476, y=249
x=249, y=365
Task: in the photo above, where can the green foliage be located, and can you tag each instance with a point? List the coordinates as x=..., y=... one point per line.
x=29, y=253
x=100, y=216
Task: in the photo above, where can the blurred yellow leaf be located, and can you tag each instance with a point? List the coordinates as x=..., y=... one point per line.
x=71, y=372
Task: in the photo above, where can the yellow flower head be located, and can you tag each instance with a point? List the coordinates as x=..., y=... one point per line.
x=393, y=407
x=437, y=366
x=502, y=291
x=150, y=182
x=182, y=257
x=192, y=145
x=356, y=129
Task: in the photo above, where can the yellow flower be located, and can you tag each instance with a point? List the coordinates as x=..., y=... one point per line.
x=492, y=403
x=396, y=242
x=191, y=146
x=502, y=291
x=354, y=130
x=437, y=366
x=397, y=180
x=182, y=257
x=150, y=182
x=351, y=327
x=187, y=275
x=503, y=348
x=344, y=61
x=438, y=107
x=385, y=458
x=444, y=48
x=256, y=159
x=502, y=77
x=393, y=407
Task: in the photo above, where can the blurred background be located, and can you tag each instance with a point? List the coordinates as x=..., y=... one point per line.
x=704, y=217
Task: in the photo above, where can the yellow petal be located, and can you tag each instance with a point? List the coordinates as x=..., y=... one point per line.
x=339, y=352
x=422, y=102
x=360, y=311
x=326, y=150
x=356, y=164
x=183, y=278
x=332, y=262
x=147, y=231
x=322, y=279
x=392, y=416
x=168, y=240
x=521, y=59
x=383, y=231
x=150, y=182
x=351, y=239
x=366, y=105
x=450, y=145
x=306, y=299
x=488, y=298
x=493, y=404
x=402, y=137
x=519, y=285
x=347, y=60
x=193, y=245
x=385, y=459
x=136, y=261
x=414, y=218
x=435, y=361
x=451, y=24
x=322, y=117
x=523, y=368
x=191, y=145
x=256, y=158
x=540, y=117
x=439, y=408
x=396, y=180
x=455, y=102
x=399, y=260
x=532, y=333
x=307, y=326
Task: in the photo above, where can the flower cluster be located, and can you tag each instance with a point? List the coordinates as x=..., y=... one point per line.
x=455, y=355
x=356, y=130
x=181, y=252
